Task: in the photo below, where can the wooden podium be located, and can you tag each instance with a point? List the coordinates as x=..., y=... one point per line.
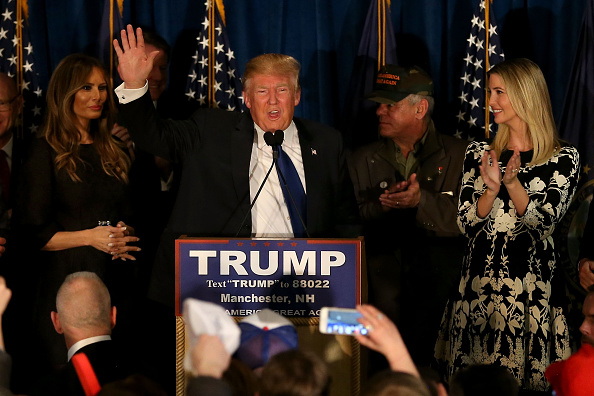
x=294, y=277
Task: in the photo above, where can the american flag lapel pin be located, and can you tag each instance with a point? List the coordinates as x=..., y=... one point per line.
x=439, y=169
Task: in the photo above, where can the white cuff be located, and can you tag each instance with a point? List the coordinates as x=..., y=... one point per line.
x=127, y=95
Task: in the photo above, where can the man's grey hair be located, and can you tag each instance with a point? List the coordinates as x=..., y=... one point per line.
x=83, y=301
x=414, y=99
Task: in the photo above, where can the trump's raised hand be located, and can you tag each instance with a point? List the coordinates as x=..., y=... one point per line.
x=134, y=64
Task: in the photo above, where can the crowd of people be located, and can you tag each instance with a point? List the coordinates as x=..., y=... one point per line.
x=100, y=195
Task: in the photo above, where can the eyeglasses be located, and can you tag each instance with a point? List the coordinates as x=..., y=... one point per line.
x=5, y=106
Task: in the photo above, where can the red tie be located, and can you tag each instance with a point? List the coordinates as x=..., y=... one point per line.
x=4, y=175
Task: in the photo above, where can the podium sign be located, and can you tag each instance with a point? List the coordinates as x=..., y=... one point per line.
x=294, y=277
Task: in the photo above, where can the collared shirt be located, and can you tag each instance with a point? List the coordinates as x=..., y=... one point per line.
x=406, y=166
x=270, y=215
x=84, y=342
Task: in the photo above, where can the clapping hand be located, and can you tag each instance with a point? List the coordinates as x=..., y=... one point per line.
x=490, y=172
x=401, y=195
x=512, y=168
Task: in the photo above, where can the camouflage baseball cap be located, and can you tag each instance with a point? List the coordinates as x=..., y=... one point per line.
x=394, y=83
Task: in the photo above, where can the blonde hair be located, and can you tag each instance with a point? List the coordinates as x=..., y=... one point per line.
x=60, y=124
x=529, y=97
x=272, y=64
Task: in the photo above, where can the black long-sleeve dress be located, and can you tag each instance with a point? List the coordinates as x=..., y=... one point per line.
x=49, y=201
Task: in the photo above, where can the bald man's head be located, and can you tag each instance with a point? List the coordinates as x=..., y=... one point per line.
x=84, y=305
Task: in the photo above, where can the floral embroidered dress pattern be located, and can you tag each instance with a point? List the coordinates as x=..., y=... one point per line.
x=504, y=311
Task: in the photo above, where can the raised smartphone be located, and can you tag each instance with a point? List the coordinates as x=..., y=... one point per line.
x=340, y=321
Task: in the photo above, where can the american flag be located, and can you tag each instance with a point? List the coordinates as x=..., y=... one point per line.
x=110, y=28
x=17, y=60
x=214, y=76
x=377, y=48
x=473, y=84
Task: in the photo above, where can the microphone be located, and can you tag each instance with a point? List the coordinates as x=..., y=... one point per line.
x=279, y=136
x=270, y=140
x=273, y=141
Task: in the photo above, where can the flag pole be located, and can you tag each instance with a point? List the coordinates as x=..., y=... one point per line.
x=381, y=29
x=19, y=66
x=211, y=56
x=487, y=129
x=379, y=40
x=111, y=41
x=384, y=31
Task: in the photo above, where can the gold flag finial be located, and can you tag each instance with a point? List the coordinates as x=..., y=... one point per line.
x=221, y=8
x=25, y=9
x=487, y=67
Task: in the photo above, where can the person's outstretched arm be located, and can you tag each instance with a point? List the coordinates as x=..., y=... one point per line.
x=383, y=336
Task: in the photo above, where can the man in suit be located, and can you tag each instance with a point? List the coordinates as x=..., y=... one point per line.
x=153, y=179
x=154, y=182
x=407, y=186
x=12, y=149
x=86, y=318
x=224, y=158
x=11, y=106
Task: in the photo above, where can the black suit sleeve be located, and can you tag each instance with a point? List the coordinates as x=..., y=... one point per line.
x=166, y=138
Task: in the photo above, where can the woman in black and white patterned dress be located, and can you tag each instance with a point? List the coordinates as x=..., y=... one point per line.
x=514, y=193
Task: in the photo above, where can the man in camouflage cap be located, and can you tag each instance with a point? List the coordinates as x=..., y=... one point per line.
x=407, y=186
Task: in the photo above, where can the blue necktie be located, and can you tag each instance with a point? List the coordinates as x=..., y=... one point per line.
x=286, y=167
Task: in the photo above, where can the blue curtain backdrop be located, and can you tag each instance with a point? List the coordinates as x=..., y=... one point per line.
x=324, y=35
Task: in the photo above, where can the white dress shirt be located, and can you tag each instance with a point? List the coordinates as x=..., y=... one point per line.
x=84, y=342
x=270, y=215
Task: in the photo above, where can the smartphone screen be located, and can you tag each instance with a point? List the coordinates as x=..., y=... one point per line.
x=340, y=321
